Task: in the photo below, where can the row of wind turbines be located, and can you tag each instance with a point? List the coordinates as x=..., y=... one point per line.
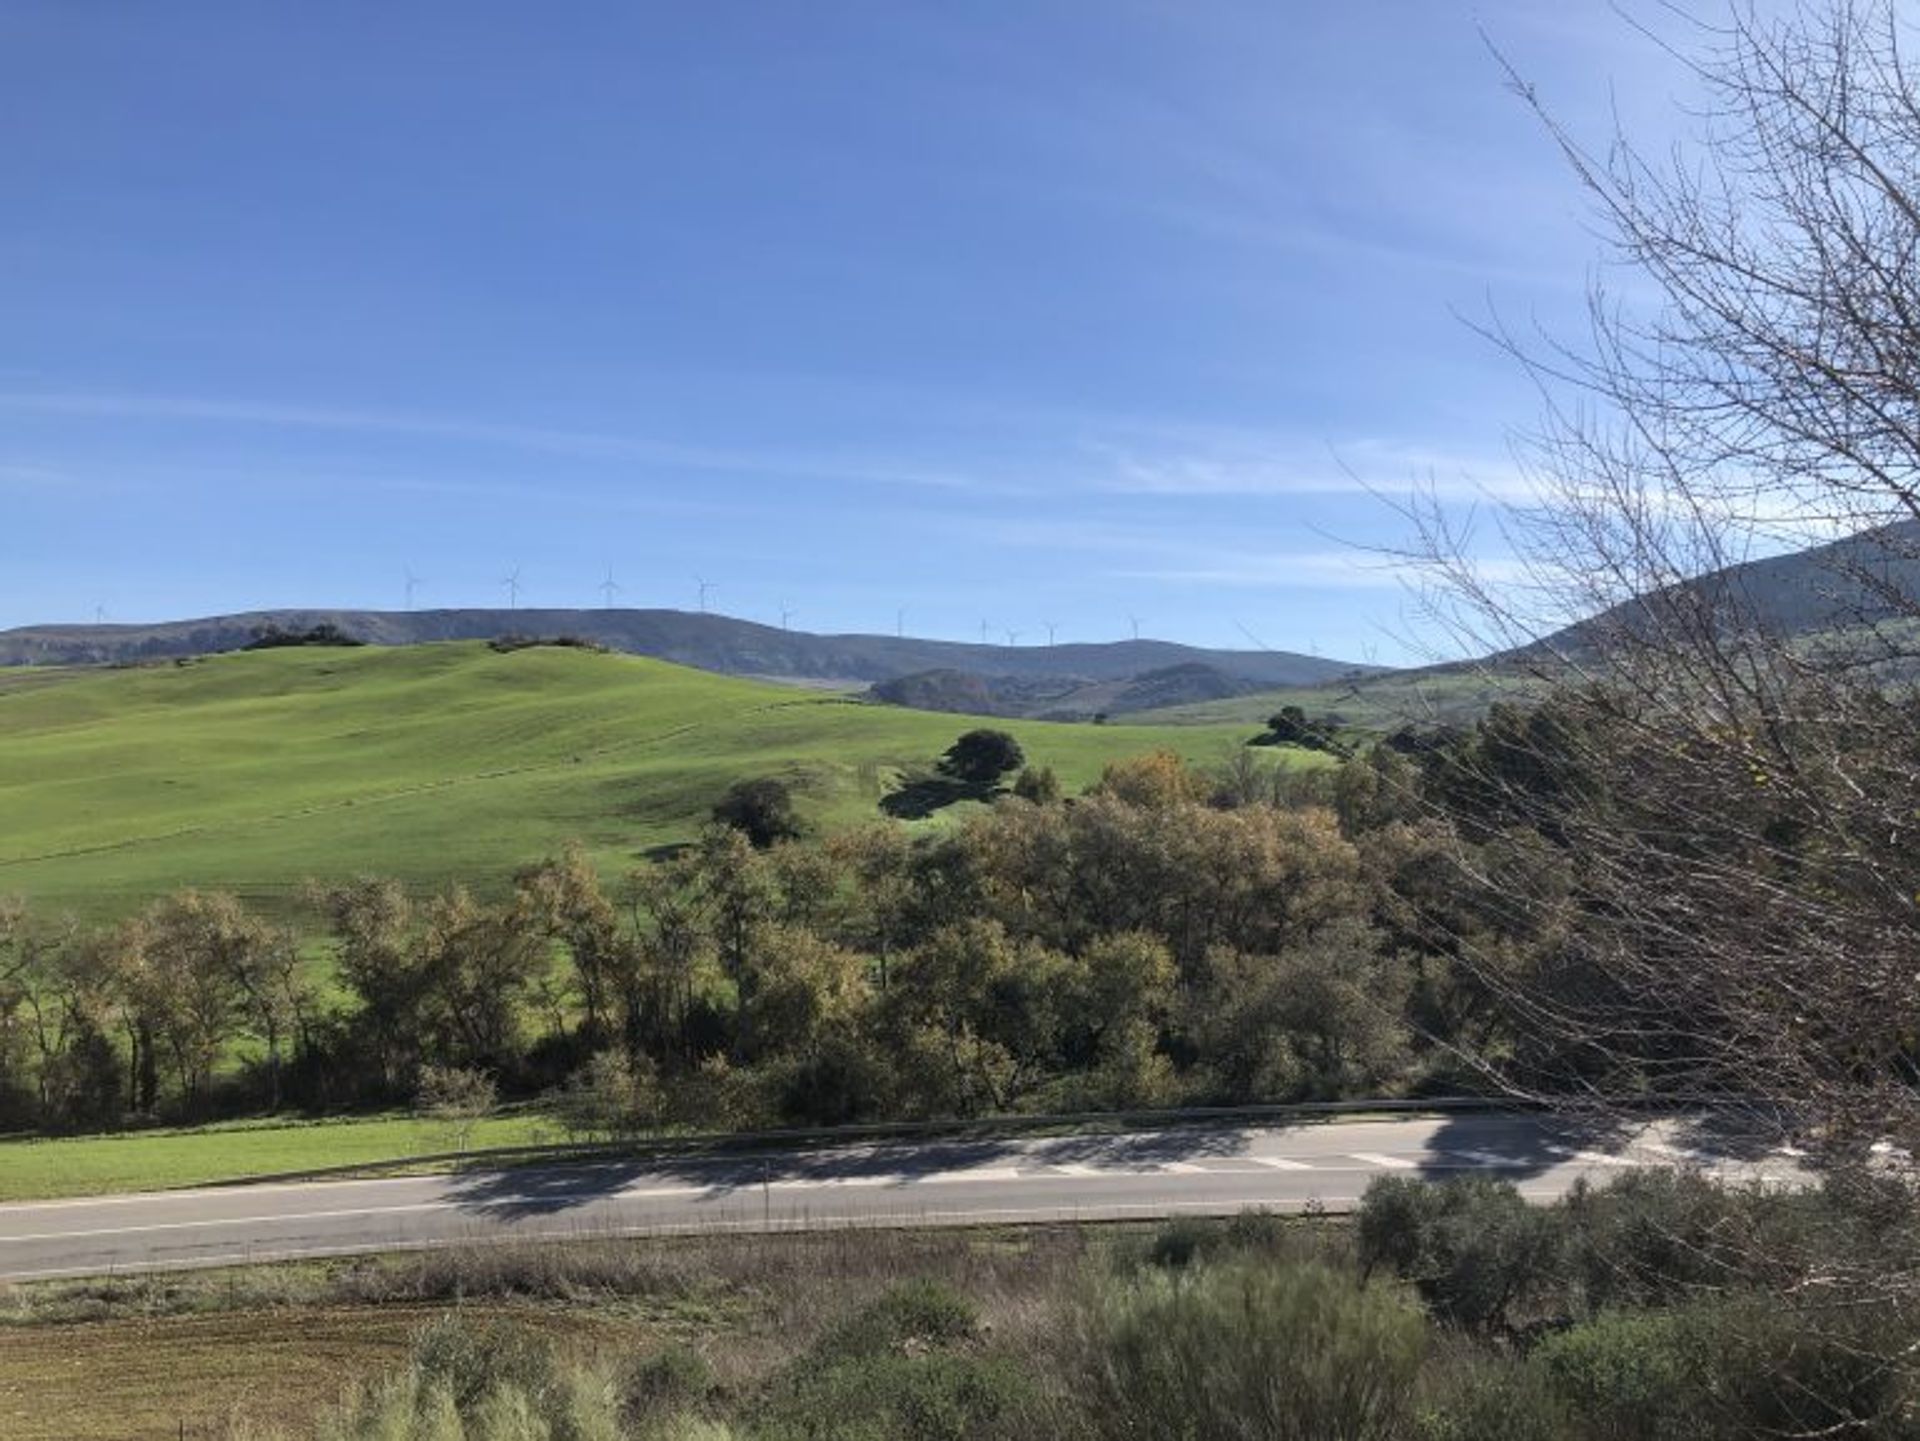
x=610, y=589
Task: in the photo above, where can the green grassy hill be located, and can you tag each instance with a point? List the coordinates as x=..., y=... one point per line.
x=256, y=771
x=1453, y=695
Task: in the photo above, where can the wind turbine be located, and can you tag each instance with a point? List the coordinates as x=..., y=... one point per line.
x=1052, y=626
x=99, y=615
x=900, y=622
x=1136, y=625
x=413, y=584
x=984, y=629
x=705, y=586
x=609, y=588
x=511, y=580
x=786, y=615
x=1013, y=639
x=1251, y=636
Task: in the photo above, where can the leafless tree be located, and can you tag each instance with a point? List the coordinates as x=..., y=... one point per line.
x=1735, y=767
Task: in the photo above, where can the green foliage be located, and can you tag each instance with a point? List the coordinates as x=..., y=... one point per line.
x=1252, y=1350
x=1474, y=1250
x=761, y=809
x=470, y=1382
x=900, y=1369
x=1038, y=785
x=665, y=1384
x=612, y=1096
x=1291, y=726
x=912, y=1314
x=980, y=757
x=273, y=637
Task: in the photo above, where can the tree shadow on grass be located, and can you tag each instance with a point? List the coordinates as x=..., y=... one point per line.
x=920, y=796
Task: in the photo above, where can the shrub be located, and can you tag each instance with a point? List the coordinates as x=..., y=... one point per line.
x=611, y=1096
x=1241, y=1349
x=1472, y=1247
x=935, y=1397
x=1654, y=1236
x=900, y=1369
x=1485, y=1397
x=761, y=810
x=666, y=1384
x=1733, y=1366
x=479, y=1383
x=981, y=757
x=921, y=1312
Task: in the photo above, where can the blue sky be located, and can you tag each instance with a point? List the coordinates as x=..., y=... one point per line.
x=1015, y=313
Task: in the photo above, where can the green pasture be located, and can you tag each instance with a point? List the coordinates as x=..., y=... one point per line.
x=33, y=1169
x=258, y=771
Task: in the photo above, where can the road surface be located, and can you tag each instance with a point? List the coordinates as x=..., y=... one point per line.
x=1188, y=1170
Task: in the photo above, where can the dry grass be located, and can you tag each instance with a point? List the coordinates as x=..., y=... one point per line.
x=145, y=1357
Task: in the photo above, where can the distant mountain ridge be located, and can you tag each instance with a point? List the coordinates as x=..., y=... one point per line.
x=729, y=646
x=1861, y=579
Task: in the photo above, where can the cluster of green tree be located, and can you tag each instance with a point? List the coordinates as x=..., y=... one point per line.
x=275, y=637
x=1450, y=1312
x=513, y=641
x=1168, y=937
x=1292, y=726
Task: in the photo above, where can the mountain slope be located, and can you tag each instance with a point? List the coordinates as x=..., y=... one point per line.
x=710, y=642
x=430, y=763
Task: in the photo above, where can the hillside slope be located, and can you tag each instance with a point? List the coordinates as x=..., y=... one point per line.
x=256, y=771
x=710, y=642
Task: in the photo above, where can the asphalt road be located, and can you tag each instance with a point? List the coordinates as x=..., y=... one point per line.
x=1190, y=1170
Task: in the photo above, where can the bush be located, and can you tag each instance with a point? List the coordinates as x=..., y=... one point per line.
x=981, y=757
x=1293, y=1353
x=761, y=810
x=917, y=1313
x=479, y=1383
x=1655, y=1236
x=1483, y=1397
x=1733, y=1366
x=668, y=1383
x=906, y=1398
x=1472, y=1247
x=898, y=1369
x=611, y=1096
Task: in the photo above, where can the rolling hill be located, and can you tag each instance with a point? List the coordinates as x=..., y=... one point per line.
x=710, y=642
x=256, y=771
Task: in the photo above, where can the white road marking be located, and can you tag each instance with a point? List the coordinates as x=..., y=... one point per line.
x=1184, y=1168
x=1491, y=1158
x=1374, y=1158
x=1278, y=1163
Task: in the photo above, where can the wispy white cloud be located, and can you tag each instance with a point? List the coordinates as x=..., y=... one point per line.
x=1202, y=465
x=583, y=444
x=19, y=476
x=1310, y=570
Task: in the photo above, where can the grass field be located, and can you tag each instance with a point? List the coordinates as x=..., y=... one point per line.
x=257, y=771
x=33, y=1169
x=158, y=1358
x=1373, y=703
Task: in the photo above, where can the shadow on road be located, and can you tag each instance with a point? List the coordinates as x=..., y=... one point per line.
x=551, y=1189
x=1517, y=1148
